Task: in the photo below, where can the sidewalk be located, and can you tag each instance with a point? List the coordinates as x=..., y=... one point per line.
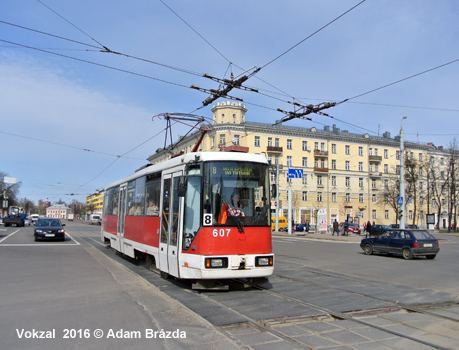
x=325, y=236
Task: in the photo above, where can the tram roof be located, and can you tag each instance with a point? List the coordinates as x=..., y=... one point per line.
x=189, y=157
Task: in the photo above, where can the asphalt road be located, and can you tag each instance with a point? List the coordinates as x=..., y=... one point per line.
x=82, y=295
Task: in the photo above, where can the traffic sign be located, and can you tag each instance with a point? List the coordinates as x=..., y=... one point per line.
x=295, y=173
x=400, y=200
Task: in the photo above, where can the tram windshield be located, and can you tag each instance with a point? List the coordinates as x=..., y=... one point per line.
x=236, y=193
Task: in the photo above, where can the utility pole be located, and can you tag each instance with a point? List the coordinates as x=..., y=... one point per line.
x=277, y=197
x=402, y=176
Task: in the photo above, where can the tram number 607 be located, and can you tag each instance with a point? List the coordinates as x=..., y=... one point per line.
x=221, y=232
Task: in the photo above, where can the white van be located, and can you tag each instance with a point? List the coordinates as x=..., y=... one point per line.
x=34, y=217
x=95, y=219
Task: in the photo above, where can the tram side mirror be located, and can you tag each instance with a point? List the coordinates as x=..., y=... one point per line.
x=273, y=191
x=181, y=190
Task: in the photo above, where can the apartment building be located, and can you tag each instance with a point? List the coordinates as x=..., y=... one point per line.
x=345, y=175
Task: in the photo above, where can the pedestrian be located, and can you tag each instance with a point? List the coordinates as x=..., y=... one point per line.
x=369, y=228
x=365, y=228
x=335, y=228
x=307, y=226
x=345, y=228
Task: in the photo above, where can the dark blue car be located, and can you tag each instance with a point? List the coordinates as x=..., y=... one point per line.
x=407, y=243
x=49, y=228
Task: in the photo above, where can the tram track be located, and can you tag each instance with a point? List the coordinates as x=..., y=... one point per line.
x=268, y=325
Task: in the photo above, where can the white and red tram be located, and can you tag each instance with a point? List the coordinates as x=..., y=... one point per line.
x=178, y=214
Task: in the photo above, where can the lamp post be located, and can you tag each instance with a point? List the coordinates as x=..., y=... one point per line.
x=402, y=176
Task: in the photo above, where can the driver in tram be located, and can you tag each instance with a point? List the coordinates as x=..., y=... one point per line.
x=232, y=209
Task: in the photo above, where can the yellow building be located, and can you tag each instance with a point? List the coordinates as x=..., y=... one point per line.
x=345, y=175
x=95, y=202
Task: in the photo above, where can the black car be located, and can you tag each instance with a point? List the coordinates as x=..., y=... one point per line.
x=375, y=230
x=49, y=228
x=407, y=243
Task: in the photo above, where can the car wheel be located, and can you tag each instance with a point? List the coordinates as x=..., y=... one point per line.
x=407, y=254
x=368, y=249
x=431, y=257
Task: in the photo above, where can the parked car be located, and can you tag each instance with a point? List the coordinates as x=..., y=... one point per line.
x=351, y=228
x=49, y=228
x=407, y=243
x=377, y=229
x=409, y=226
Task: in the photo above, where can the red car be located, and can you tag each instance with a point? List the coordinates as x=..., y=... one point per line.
x=352, y=228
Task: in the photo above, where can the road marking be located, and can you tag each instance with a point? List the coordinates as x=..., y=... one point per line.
x=1, y=240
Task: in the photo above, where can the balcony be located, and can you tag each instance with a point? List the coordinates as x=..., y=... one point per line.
x=375, y=174
x=320, y=170
x=273, y=149
x=319, y=153
x=375, y=158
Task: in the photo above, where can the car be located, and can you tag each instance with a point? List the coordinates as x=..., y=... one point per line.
x=407, y=243
x=410, y=226
x=377, y=229
x=26, y=222
x=49, y=228
x=351, y=228
x=299, y=228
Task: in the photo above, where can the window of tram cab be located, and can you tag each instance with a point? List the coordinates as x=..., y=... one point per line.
x=152, y=193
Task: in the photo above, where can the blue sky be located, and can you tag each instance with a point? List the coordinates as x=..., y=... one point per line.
x=65, y=116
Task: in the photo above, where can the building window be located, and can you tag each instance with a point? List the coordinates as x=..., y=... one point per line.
x=289, y=143
x=397, y=155
x=319, y=196
x=373, y=214
x=348, y=150
x=305, y=161
x=276, y=159
x=361, y=199
x=319, y=179
x=376, y=151
x=333, y=148
x=370, y=152
x=305, y=145
x=410, y=214
x=305, y=179
x=386, y=154
x=236, y=140
x=316, y=145
x=322, y=146
x=270, y=141
x=386, y=184
x=305, y=196
x=348, y=165
x=360, y=181
x=360, y=166
x=386, y=168
x=421, y=158
x=370, y=167
x=273, y=177
x=421, y=171
x=348, y=181
x=386, y=214
x=373, y=183
x=316, y=163
x=276, y=142
x=322, y=163
x=348, y=197
x=257, y=141
x=289, y=161
x=270, y=158
x=333, y=180
x=333, y=165
x=373, y=198
x=222, y=140
x=360, y=151
x=334, y=197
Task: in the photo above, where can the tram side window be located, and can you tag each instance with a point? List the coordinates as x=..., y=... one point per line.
x=152, y=193
x=192, y=211
x=111, y=201
x=130, y=198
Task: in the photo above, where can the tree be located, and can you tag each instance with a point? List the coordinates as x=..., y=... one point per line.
x=389, y=195
x=9, y=191
x=413, y=189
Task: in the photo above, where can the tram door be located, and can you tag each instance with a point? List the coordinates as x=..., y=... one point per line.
x=170, y=225
x=121, y=215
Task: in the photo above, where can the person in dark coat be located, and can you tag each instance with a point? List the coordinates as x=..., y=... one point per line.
x=369, y=228
x=345, y=228
x=335, y=228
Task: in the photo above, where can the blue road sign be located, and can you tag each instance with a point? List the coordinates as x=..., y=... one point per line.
x=295, y=173
x=400, y=200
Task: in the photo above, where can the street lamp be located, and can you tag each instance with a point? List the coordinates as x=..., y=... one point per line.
x=402, y=176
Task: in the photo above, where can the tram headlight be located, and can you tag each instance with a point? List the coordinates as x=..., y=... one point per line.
x=216, y=263
x=264, y=261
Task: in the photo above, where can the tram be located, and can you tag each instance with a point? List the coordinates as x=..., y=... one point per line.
x=202, y=216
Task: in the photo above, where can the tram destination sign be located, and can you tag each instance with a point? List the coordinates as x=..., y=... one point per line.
x=295, y=173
